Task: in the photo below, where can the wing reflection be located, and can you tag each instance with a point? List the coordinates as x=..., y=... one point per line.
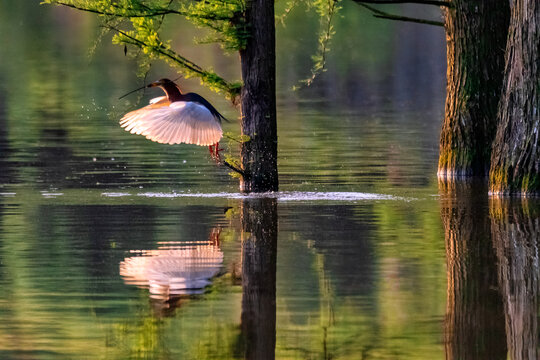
x=176, y=268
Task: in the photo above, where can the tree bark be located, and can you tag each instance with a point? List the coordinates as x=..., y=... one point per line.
x=475, y=41
x=474, y=323
x=259, y=154
x=515, y=229
x=515, y=163
x=259, y=254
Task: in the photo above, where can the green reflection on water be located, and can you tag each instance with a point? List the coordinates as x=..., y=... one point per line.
x=64, y=295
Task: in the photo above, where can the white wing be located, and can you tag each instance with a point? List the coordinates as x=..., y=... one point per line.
x=180, y=122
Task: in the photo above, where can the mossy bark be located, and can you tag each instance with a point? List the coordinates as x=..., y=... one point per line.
x=515, y=162
x=475, y=42
x=259, y=154
x=515, y=227
x=474, y=322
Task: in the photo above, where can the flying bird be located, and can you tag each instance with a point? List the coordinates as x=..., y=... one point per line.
x=176, y=118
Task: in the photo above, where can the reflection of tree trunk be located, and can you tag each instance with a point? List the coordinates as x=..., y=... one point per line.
x=516, y=228
x=259, y=251
x=5, y=169
x=474, y=326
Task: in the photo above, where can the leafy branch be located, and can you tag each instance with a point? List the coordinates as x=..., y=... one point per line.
x=327, y=10
x=289, y=7
x=223, y=17
x=234, y=168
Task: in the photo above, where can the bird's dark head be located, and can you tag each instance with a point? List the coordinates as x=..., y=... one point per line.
x=171, y=89
x=169, y=86
x=162, y=83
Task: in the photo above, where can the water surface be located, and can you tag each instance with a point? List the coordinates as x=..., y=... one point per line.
x=114, y=247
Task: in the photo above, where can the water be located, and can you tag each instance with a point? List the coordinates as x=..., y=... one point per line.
x=114, y=247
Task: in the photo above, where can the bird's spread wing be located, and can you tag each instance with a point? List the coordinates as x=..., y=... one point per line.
x=174, y=123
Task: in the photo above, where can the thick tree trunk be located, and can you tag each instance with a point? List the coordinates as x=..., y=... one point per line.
x=259, y=154
x=516, y=233
x=259, y=254
x=515, y=163
x=474, y=323
x=475, y=42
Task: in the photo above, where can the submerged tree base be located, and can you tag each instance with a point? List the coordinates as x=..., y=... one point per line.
x=453, y=174
x=515, y=162
x=470, y=112
x=457, y=161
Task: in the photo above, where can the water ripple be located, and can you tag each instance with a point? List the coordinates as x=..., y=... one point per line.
x=280, y=196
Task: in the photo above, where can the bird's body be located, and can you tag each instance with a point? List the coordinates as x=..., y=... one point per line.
x=176, y=118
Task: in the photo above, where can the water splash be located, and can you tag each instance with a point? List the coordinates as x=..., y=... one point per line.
x=280, y=196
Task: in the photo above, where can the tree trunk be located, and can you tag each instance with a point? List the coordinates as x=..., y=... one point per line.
x=515, y=163
x=516, y=232
x=259, y=154
x=259, y=254
x=474, y=323
x=475, y=41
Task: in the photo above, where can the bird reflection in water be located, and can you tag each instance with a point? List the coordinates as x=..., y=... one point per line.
x=174, y=270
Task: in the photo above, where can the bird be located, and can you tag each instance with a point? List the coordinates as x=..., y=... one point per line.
x=176, y=118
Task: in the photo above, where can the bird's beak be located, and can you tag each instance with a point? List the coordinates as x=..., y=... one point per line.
x=154, y=84
x=131, y=92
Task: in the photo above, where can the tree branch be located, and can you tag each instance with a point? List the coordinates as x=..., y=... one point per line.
x=421, y=2
x=233, y=168
x=188, y=64
x=408, y=19
x=204, y=75
x=384, y=15
x=151, y=13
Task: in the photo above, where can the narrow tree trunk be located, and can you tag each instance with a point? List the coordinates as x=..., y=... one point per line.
x=259, y=254
x=475, y=42
x=515, y=163
x=474, y=323
x=516, y=233
x=259, y=154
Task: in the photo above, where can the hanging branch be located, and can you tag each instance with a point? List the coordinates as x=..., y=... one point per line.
x=384, y=15
x=327, y=31
x=289, y=7
x=420, y=2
